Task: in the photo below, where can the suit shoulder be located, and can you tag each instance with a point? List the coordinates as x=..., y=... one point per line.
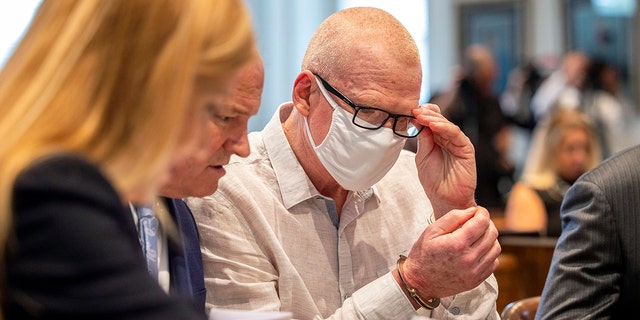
x=621, y=166
x=65, y=173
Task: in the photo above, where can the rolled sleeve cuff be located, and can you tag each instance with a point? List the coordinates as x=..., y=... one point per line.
x=383, y=299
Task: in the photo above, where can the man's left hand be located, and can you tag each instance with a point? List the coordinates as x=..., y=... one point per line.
x=445, y=160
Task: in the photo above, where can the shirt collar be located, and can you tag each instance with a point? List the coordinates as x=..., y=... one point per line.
x=295, y=186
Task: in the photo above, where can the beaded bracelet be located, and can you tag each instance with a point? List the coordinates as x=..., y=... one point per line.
x=429, y=304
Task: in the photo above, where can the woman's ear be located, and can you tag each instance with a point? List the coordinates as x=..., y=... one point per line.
x=302, y=91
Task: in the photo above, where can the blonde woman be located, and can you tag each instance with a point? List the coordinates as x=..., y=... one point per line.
x=565, y=146
x=97, y=100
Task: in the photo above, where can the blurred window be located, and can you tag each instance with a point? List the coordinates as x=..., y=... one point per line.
x=14, y=18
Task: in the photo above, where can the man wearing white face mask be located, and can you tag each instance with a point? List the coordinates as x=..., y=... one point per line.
x=329, y=217
x=360, y=158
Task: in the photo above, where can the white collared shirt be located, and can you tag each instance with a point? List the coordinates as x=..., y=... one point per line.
x=269, y=241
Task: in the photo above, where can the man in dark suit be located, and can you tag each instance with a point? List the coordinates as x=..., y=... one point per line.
x=595, y=271
x=185, y=260
x=198, y=174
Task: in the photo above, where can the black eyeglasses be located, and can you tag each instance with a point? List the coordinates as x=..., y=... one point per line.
x=374, y=118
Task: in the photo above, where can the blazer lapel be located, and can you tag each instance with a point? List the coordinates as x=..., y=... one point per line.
x=185, y=258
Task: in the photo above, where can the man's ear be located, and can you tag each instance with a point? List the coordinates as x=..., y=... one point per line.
x=302, y=91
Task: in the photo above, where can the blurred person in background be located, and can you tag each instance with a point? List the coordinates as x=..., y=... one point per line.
x=515, y=101
x=522, y=83
x=564, y=146
x=473, y=106
x=98, y=99
x=563, y=87
x=612, y=112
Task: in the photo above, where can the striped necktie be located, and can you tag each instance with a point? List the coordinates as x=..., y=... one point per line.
x=148, y=236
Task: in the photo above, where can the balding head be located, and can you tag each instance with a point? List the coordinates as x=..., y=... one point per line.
x=361, y=34
x=370, y=58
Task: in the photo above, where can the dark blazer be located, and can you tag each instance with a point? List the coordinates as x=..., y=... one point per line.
x=595, y=271
x=185, y=259
x=74, y=251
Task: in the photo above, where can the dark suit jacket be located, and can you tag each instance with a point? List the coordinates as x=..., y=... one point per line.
x=74, y=252
x=185, y=259
x=595, y=271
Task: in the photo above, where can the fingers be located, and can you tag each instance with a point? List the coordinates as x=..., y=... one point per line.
x=488, y=245
x=427, y=106
x=427, y=112
x=486, y=248
x=488, y=263
x=481, y=222
x=443, y=130
x=474, y=228
x=453, y=221
x=481, y=238
x=483, y=251
x=447, y=263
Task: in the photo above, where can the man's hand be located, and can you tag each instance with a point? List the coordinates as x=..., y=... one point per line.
x=454, y=254
x=445, y=160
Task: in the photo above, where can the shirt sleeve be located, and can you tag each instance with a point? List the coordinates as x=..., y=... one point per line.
x=477, y=303
x=381, y=299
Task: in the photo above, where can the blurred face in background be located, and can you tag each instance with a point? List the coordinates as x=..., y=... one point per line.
x=575, y=68
x=573, y=154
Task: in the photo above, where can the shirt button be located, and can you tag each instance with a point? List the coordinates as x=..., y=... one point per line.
x=455, y=310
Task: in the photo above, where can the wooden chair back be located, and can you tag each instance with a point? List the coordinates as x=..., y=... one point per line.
x=523, y=309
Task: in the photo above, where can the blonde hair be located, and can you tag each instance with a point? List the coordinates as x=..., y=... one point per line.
x=539, y=171
x=111, y=80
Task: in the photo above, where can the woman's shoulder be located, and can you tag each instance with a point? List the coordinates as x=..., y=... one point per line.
x=522, y=188
x=66, y=173
x=60, y=163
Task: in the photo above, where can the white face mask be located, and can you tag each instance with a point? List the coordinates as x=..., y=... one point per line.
x=355, y=157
